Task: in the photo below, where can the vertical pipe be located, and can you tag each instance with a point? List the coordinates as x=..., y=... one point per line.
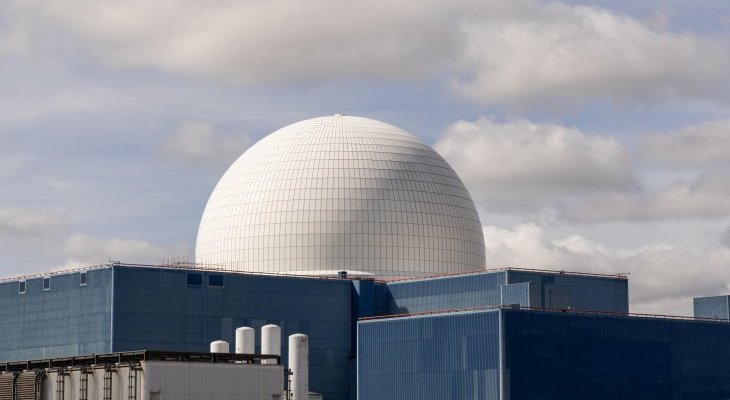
x=299, y=366
x=245, y=340
x=270, y=342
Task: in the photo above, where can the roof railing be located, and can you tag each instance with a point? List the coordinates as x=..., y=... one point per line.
x=544, y=309
x=618, y=275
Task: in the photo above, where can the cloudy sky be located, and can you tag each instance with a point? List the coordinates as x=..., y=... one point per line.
x=594, y=136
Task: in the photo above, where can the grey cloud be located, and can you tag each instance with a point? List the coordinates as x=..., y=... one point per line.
x=566, y=54
x=724, y=238
x=695, y=145
x=704, y=197
x=16, y=222
x=199, y=142
x=663, y=278
x=87, y=250
x=520, y=164
x=498, y=52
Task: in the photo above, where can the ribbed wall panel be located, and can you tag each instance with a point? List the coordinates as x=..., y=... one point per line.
x=712, y=307
x=588, y=292
x=520, y=293
x=554, y=355
x=156, y=309
x=473, y=290
x=448, y=356
x=69, y=319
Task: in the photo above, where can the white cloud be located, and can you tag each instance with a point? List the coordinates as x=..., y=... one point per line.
x=261, y=41
x=704, y=197
x=518, y=164
x=497, y=52
x=86, y=250
x=695, y=145
x=564, y=54
x=198, y=141
x=663, y=278
x=19, y=222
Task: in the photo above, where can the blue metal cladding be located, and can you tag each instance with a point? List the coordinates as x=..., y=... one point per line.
x=552, y=355
x=66, y=320
x=588, y=292
x=157, y=309
x=712, y=307
x=526, y=294
x=447, y=357
x=451, y=292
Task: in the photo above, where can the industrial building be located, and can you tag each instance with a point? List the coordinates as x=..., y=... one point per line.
x=353, y=234
x=144, y=375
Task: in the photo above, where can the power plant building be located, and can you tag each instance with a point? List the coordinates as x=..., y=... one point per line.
x=361, y=242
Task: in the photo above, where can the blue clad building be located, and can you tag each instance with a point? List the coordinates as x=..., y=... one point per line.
x=121, y=307
x=502, y=334
x=512, y=353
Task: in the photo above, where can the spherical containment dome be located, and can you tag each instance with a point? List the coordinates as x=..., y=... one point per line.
x=341, y=193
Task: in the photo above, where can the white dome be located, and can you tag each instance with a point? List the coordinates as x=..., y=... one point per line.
x=341, y=193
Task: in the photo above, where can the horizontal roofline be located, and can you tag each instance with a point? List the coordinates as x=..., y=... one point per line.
x=134, y=357
x=537, y=309
x=174, y=266
x=217, y=268
x=620, y=275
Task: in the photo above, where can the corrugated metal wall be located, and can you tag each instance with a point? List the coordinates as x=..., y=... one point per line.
x=156, y=309
x=448, y=356
x=712, y=307
x=69, y=319
x=552, y=355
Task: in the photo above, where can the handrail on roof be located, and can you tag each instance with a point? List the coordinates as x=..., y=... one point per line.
x=173, y=266
x=619, y=275
x=554, y=310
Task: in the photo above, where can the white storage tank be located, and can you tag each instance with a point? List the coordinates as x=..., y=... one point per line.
x=270, y=341
x=299, y=366
x=219, y=346
x=245, y=340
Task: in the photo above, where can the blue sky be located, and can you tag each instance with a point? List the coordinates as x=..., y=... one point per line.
x=594, y=136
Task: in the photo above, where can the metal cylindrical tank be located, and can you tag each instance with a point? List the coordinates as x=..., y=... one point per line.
x=219, y=346
x=245, y=340
x=299, y=366
x=270, y=341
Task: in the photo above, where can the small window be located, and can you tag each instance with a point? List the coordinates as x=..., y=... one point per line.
x=195, y=279
x=83, y=280
x=21, y=287
x=215, y=280
x=47, y=283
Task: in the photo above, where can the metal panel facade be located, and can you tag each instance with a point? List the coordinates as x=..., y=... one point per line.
x=526, y=294
x=552, y=355
x=588, y=292
x=69, y=319
x=157, y=309
x=447, y=356
x=712, y=307
x=462, y=291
